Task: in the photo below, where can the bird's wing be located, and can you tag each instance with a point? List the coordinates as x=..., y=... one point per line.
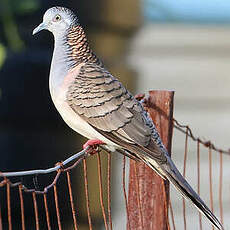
x=102, y=101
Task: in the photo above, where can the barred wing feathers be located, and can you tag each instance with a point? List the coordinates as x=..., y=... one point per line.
x=102, y=101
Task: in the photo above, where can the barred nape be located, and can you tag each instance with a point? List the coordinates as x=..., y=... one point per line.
x=79, y=49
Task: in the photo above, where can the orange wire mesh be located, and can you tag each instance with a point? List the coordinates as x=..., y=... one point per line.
x=198, y=179
x=8, y=206
x=109, y=191
x=210, y=148
x=106, y=213
x=36, y=210
x=184, y=172
x=22, y=207
x=221, y=188
x=87, y=195
x=101, y=191
x=210, y=180
x=71, y=201
x=47, y=211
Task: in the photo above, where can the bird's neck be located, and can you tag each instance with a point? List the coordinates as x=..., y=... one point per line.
x=73, y=48
x=70, y=50
x=78, y=47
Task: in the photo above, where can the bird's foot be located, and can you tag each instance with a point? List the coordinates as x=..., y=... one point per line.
x=142, y=99
x=93, y=146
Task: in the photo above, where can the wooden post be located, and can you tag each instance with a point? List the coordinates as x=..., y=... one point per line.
x=148, y=193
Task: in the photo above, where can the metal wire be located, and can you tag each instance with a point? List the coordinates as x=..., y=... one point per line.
x=9, y=207
x=59, y=169
x=46, y=171
x=101, y=191
x=198, y=180
x=210, y=179
x=87, y=195
x=172, y=215
x=207, y=144
x=47, y=211
x=22, y=207
x=221, y=188
x=57, y=207
x=184, y=172
x=109, y=190
x=71, y=200
x=36, y=210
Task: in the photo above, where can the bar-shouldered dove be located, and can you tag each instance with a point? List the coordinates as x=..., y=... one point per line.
x=96, y=105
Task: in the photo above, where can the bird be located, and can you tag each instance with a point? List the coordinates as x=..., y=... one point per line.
x=96, y=105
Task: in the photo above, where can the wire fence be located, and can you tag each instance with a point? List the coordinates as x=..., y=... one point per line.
x=208, y=149
x=43, y=200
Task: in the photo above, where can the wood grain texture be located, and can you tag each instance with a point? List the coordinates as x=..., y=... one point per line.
x=153, y=191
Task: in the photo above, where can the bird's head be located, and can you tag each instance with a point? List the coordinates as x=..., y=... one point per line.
x=57, y=20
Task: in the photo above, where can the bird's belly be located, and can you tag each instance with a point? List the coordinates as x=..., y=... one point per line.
x=78, y=124
x=73, y=120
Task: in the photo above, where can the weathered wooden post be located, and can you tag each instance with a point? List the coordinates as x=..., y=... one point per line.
x=148, y=193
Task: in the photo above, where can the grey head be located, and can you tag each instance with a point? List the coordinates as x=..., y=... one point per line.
x=57, y=20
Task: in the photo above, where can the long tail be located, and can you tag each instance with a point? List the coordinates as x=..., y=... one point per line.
x=170, y=172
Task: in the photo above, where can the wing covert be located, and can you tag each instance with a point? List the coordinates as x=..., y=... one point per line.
x=105, y=104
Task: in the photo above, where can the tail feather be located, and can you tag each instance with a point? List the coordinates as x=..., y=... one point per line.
x=170, y=172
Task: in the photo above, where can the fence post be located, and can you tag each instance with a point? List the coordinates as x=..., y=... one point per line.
x=148, y=193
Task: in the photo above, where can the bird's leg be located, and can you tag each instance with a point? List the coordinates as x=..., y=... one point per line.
x=93, y=146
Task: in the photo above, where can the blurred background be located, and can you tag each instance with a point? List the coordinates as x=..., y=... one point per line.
x=177, y=45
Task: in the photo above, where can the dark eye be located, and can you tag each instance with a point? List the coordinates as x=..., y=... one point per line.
x=57, y=18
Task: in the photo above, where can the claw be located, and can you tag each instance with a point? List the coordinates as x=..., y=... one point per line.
x=93, y=144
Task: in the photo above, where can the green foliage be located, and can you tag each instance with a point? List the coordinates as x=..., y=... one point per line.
x=24, y=6
x=10, y=8
x=2, y=54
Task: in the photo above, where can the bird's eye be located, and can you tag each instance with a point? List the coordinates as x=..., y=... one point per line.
x=57, y=18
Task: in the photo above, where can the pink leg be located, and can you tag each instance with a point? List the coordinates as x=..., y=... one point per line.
x=93, y=144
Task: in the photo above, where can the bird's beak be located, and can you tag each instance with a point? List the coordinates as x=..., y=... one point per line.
x=42, y=26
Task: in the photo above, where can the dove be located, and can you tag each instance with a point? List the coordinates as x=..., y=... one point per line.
x=96, y=105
